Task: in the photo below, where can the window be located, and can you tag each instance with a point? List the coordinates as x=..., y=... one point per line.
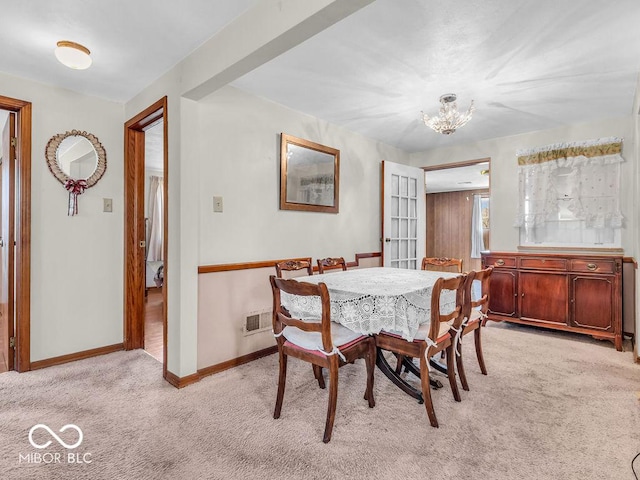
x=569, y=194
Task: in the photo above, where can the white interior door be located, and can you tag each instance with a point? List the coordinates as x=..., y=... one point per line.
x=403, y=216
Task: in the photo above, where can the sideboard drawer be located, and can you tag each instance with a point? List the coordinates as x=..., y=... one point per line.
x=542, y=263
x=599, y=265
x=498, y=261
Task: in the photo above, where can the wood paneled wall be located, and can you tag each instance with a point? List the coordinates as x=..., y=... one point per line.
x=449, y=226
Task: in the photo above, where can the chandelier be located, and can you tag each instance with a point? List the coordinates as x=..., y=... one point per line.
x=449, y=119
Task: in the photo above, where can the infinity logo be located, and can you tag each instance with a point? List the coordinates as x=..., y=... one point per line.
x=53, y=434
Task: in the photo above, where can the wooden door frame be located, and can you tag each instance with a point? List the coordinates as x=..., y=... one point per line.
x=22, y=232
x=134, y=231
x=465, y=163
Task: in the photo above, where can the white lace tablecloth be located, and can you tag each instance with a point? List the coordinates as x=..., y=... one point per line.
x=368, y=300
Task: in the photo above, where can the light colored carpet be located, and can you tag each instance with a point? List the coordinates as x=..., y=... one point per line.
x=554, y=406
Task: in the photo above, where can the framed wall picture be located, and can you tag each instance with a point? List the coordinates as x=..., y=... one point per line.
x=309, y=175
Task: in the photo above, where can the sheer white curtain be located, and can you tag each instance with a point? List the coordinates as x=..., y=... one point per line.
x=569, y=193
x=156, y=209
x=538, y=201
x=477, y=239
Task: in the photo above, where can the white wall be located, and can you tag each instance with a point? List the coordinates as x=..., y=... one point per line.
x=239, y=138
x=282, y=24
x=504, y=173
x=76, y=262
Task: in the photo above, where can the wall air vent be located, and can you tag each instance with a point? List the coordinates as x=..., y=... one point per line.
x=255, y=322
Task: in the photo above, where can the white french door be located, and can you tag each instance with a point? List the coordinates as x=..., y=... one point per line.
x=403, y=216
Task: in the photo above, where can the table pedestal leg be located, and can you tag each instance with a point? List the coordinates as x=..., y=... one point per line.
x=441, y=367
x=390, y=373
x=411, y=367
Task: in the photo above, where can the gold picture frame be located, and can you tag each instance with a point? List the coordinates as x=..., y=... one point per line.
x=309, y=175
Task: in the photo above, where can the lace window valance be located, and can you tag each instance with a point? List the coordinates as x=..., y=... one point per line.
x=569, y=193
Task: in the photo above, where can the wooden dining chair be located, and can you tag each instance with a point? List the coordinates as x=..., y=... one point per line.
x=300, y=267
x=432, y=338
x=322, y=343
x=474, y=314
x=294, y=264
x=439, y=263
x=442, y=264
x=331, y=263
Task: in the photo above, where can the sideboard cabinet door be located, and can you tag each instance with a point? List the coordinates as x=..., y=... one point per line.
x=503, y=296
x=543, y=297
x=593, y=301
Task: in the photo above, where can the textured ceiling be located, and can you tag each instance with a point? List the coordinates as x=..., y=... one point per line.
x=468, y=177
x=528, y=64
x=132, y=43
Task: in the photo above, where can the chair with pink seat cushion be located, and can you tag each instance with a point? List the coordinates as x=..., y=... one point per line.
x=475, y=315
x=436, y=336
x=321, y=342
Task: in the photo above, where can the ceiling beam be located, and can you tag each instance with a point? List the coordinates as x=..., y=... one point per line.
x=263, y=32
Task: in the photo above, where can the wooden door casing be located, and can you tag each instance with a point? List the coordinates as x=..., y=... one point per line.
x=543, y=297
x=22, y=231
x=588, y=308
x=135, y=235
x=7, y=217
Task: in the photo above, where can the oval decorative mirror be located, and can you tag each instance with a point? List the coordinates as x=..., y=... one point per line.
x=77, y=160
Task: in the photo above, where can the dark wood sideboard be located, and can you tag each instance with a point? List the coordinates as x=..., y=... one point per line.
x=575, y=293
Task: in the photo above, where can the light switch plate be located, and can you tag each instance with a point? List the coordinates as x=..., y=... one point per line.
x=107, y=205
x=217, y=204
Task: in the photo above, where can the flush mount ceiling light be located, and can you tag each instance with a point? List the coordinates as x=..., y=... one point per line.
x=449, y=119
x=73, y=55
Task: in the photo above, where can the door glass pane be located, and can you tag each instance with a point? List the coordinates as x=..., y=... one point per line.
x=412, y=208
x=413, y=187
x=404, y=207
x=395, y=189
x=412, y=249
x=394, y=249
x=412, y=265
x=395, y=228
x=404, y=247
x=404, y=228
x=403, y=264
x=404, y=186
x=413, y=229
x=395, y=209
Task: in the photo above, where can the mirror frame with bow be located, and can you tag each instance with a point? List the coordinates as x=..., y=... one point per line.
x=75, y=186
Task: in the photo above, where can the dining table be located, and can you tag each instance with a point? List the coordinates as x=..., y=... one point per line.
x=368, y=300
